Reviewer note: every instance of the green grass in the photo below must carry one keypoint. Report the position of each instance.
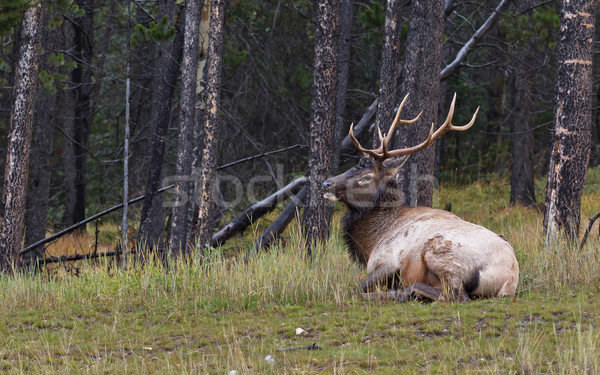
(222, 315)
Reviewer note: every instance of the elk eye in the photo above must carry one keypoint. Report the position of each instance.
(365, 179)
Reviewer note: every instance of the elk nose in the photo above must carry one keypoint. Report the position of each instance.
(328, 184)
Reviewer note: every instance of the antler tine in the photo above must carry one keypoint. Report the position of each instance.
(447, 125)
(360, 148)
(397, 120)
(413, 149)
(382, 153)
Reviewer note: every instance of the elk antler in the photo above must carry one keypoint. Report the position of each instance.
(381, 153)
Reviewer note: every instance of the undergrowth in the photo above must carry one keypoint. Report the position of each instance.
(218, 314)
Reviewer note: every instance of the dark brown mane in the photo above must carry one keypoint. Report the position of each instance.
(385, 198)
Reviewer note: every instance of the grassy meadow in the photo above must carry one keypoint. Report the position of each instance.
(221, 316)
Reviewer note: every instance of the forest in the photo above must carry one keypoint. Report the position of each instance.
(172, 155)
(498, 57)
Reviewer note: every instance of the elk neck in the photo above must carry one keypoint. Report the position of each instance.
(363, 225)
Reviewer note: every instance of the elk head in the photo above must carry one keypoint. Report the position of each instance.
(362, 185)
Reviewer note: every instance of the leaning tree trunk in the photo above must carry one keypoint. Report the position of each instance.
(317, 214)
(19, 142)
(183, 165)
(573, 115)
(210, 133)
(421, 78)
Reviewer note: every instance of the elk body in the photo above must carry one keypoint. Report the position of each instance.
(425, 252)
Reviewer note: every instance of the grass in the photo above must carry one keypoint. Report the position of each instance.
(220, 315)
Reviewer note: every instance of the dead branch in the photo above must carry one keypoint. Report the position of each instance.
(278, 226)
(256, 210)
(589, 229)
(359, 129)
(312, 346)
(84, 222)
(135, 200)
(72, 258)
(462, 54)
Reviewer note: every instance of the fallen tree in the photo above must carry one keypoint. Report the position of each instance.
(255, 211)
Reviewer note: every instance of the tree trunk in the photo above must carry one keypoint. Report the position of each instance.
(210, 131)
(183, 165)
(76, 164)
(522, 189)
(421, 78)
(317, 214)
(390, 65)
(36, 216)
(163, 87)
(19, 142)
(346, 11)
(573, 115)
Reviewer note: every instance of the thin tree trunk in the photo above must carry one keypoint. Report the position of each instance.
(206, 178)
(421, 78)
(163, 87)
(79, 132)
(573, 116)
(19, 143)
(183, 165)
(522, 189)
(317, 214)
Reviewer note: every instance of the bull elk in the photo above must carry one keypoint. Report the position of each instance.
(417, 252)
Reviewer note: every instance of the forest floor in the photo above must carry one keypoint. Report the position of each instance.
(221, 315)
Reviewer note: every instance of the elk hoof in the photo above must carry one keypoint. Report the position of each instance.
(419, 292)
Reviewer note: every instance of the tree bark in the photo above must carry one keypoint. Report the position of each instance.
(573, 115)
(421, 78)
(346, 11)
(210, 131)
(19, 143)
(183, 166)
(317, 215)
(390, 66)
(36, 216)
(152, 221)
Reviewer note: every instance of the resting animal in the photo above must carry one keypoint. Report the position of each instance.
(425, 252)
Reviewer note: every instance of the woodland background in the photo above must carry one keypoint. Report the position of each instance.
(89, 46)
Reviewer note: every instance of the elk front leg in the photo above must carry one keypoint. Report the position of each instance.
(377, 278)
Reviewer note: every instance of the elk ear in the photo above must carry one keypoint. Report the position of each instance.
(392, 166)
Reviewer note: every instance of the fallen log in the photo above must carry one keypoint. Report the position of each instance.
(75, 226)
(278, 226)
(72, 258)
(255, 211)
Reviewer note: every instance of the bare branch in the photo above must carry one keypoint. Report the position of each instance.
(589, 229)
(487, 25)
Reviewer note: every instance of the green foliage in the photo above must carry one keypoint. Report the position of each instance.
(538, 28)
(373, 18)
(161, 31)
(10, 14)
